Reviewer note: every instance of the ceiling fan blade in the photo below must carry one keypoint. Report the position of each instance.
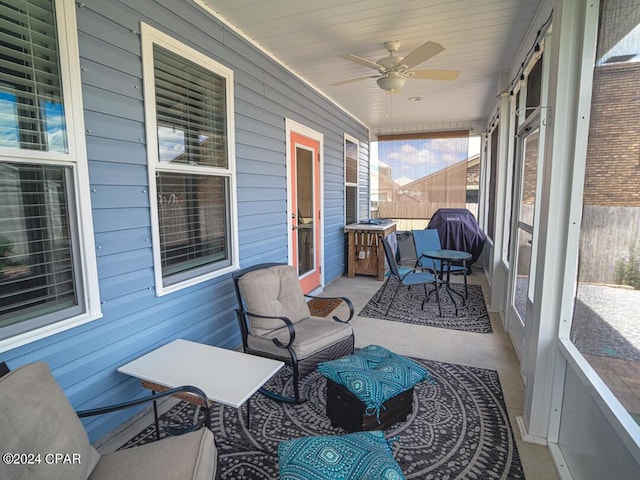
(343, 82)
(422, 53)
(361, 61)
(434, 74)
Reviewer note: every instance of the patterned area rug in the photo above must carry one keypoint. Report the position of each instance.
(407, 307)
(459, 427)
(322, 307)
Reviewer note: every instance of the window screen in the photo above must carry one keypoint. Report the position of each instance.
(417, 174)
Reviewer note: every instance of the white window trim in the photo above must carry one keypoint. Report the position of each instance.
(149, 37)
(350, 184)
(89, 294)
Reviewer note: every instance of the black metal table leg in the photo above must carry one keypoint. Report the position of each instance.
(155, 417)
(249, 413)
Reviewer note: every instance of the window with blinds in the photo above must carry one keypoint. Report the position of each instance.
(36, 261)
(351, 180)
(192, 168)
(40, 281)
(31, 102)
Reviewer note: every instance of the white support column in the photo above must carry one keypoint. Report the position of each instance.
(560, 101)
(499, 284)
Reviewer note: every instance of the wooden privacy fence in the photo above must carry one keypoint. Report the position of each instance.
(607, 235)
(413, 209)
(606, 238)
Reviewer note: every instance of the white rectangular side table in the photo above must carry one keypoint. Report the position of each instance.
(225, 376)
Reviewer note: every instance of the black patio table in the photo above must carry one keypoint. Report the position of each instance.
(447, 257)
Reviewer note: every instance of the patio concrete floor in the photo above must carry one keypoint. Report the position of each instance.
(492, 351)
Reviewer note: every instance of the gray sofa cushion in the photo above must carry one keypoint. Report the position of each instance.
(36, 417)
(312, 335)
(276, 292)
(187, 457)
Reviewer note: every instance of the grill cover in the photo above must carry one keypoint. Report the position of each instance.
(459, 230)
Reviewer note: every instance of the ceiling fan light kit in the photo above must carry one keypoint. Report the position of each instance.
(394, 70)
(392, 82)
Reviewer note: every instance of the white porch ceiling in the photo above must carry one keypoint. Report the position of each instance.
(481, 38)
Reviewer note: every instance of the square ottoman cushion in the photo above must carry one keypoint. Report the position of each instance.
(374, 375)
(355, 456)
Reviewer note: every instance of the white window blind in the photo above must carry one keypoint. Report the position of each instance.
(190, 109)
(32, 112)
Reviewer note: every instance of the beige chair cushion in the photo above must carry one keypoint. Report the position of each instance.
(273, 291)
(312, 336)
(191, 456)
(36, 417)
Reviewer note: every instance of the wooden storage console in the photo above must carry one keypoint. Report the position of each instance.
(366, 256)
(347, 411)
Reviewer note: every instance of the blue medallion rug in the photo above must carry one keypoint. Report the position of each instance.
(459, 427)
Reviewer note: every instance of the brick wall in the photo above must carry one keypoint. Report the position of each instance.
(613, 153)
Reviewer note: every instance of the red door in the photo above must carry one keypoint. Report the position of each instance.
(305, 209)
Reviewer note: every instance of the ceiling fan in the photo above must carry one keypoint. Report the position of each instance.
(394, 70)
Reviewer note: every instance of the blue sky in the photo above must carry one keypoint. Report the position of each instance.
(52, 113)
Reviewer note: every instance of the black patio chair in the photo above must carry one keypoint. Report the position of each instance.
(275, 322)
(411, 278)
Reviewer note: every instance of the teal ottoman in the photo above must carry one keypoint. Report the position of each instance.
(355, 456)
(370, 389)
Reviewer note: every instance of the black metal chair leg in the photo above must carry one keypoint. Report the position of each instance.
(280, 398)
(392, 299)
(296, 379)
(296, 389)
(466, 290)
(384, 289)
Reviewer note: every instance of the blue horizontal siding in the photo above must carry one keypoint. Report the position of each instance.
(115, 219)
(85, 359)
(117, 151)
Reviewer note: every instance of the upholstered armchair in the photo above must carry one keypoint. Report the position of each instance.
(37, 419)
(275, 322)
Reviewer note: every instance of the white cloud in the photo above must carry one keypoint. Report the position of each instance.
(410, 155)
(403, 180)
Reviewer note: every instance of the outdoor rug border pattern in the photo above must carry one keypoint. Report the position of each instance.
(407, 308)
(459, 427)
